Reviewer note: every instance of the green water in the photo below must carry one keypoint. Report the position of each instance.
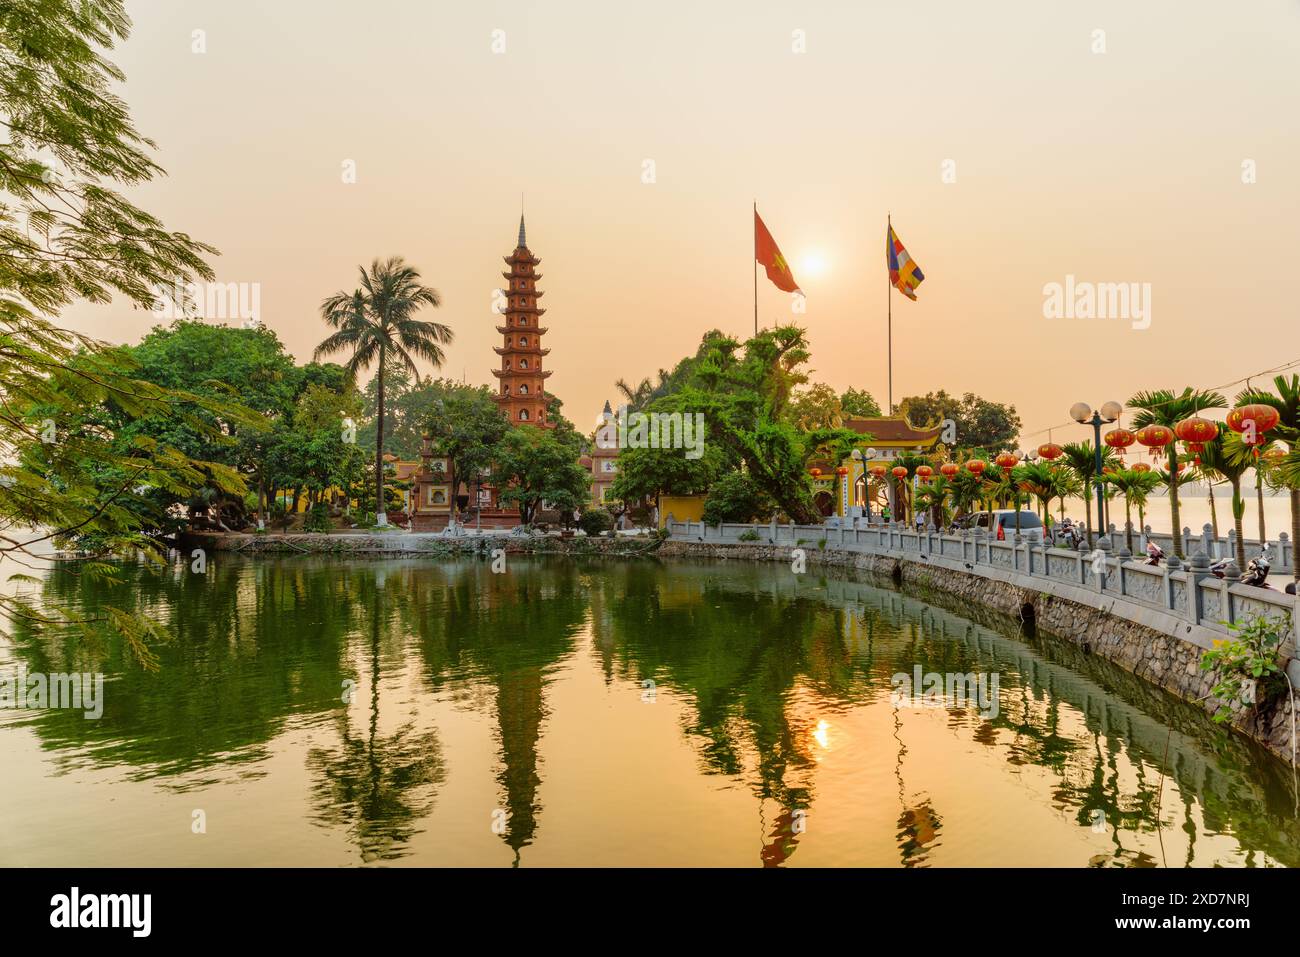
(313, 712)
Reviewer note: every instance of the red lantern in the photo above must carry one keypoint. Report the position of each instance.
(976, 466)
(948, 469)
(1007, 461)
(1050, 451)
(924, 471)
(815, 473)
(878, 471)
(1141, 467)
(1252, 421)
(1196, 432)
(842, 471)
(899, 472)
(1155, 438)
(1119, 439)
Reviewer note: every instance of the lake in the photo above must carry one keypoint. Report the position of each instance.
(310, 711)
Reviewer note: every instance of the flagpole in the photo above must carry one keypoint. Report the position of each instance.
(889, 313)
(755, 226)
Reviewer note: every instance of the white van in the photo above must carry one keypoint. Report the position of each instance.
(1001, 523)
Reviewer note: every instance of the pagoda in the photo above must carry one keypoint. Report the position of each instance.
(522, 396)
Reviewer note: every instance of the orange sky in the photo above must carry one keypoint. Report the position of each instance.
(1122, 166)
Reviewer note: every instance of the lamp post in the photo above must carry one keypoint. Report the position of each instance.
(862, 458)
(1084, 415)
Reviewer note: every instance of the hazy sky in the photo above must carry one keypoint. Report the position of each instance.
(1117, 166)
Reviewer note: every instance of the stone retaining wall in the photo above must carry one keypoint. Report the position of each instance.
(1152, 649)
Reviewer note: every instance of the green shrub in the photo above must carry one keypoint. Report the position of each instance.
(1248, 664)
(736, 498)
(595, 520)
(749, 535)
(318, 519)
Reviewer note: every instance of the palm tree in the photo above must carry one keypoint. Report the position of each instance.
(1044, 482)
(1134, 486)
(903, 486)
(376, 323)
(933, 497)
(1081, 459)
(1228, 459)
(1164, 407)
(1287, 403)
(965, 489)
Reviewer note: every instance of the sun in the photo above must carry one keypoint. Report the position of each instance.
(814, 264)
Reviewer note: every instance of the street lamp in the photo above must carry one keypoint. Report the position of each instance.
(1084, 415)
(863, 458)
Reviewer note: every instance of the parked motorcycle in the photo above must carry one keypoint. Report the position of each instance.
(1257, 573)
(1067, 534)
(1155, 554)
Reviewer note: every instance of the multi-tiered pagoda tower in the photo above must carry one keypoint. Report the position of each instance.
(522, 396)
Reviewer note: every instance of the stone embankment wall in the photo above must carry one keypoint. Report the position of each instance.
(1164, 650)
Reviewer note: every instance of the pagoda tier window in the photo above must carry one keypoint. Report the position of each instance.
(523, 363)
(523, 415)
(523, 390)
(523, 341)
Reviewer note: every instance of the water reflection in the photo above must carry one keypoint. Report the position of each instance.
(779, 685)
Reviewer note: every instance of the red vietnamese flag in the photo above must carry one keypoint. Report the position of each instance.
(768, 255)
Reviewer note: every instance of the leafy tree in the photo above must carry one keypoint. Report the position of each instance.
(1163, 407)
(1081, 459)
(534, 465)
(859, 402)
(1135, 487)
(816, 407)
(311, 448)
(979, 423)
(595, 521)
(745, 400)
(377, 324)
(1227, 460)
(735, 497)
(469, 428)
(1287, 402)
(66, 233)
(1045, 482)
(932, 497)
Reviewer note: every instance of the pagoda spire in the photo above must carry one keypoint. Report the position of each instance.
(522, 395)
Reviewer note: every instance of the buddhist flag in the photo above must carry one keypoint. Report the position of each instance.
(768, 255)
(903, 270)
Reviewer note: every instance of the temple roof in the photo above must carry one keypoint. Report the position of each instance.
(893, 431)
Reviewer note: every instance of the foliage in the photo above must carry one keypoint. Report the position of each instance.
(318, 519)
(535, 465)
(859, 402)
(1168, 408)
(979, 423)
(1248, 665)
(735, 497)
(745, 399)
(816, 407)
(468, 427)
(594, 521)
(1287, 472)
(376, 323)
(66, 233)
(748, 535)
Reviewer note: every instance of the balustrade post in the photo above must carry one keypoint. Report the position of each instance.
(1197, 572)
(1172, 564)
